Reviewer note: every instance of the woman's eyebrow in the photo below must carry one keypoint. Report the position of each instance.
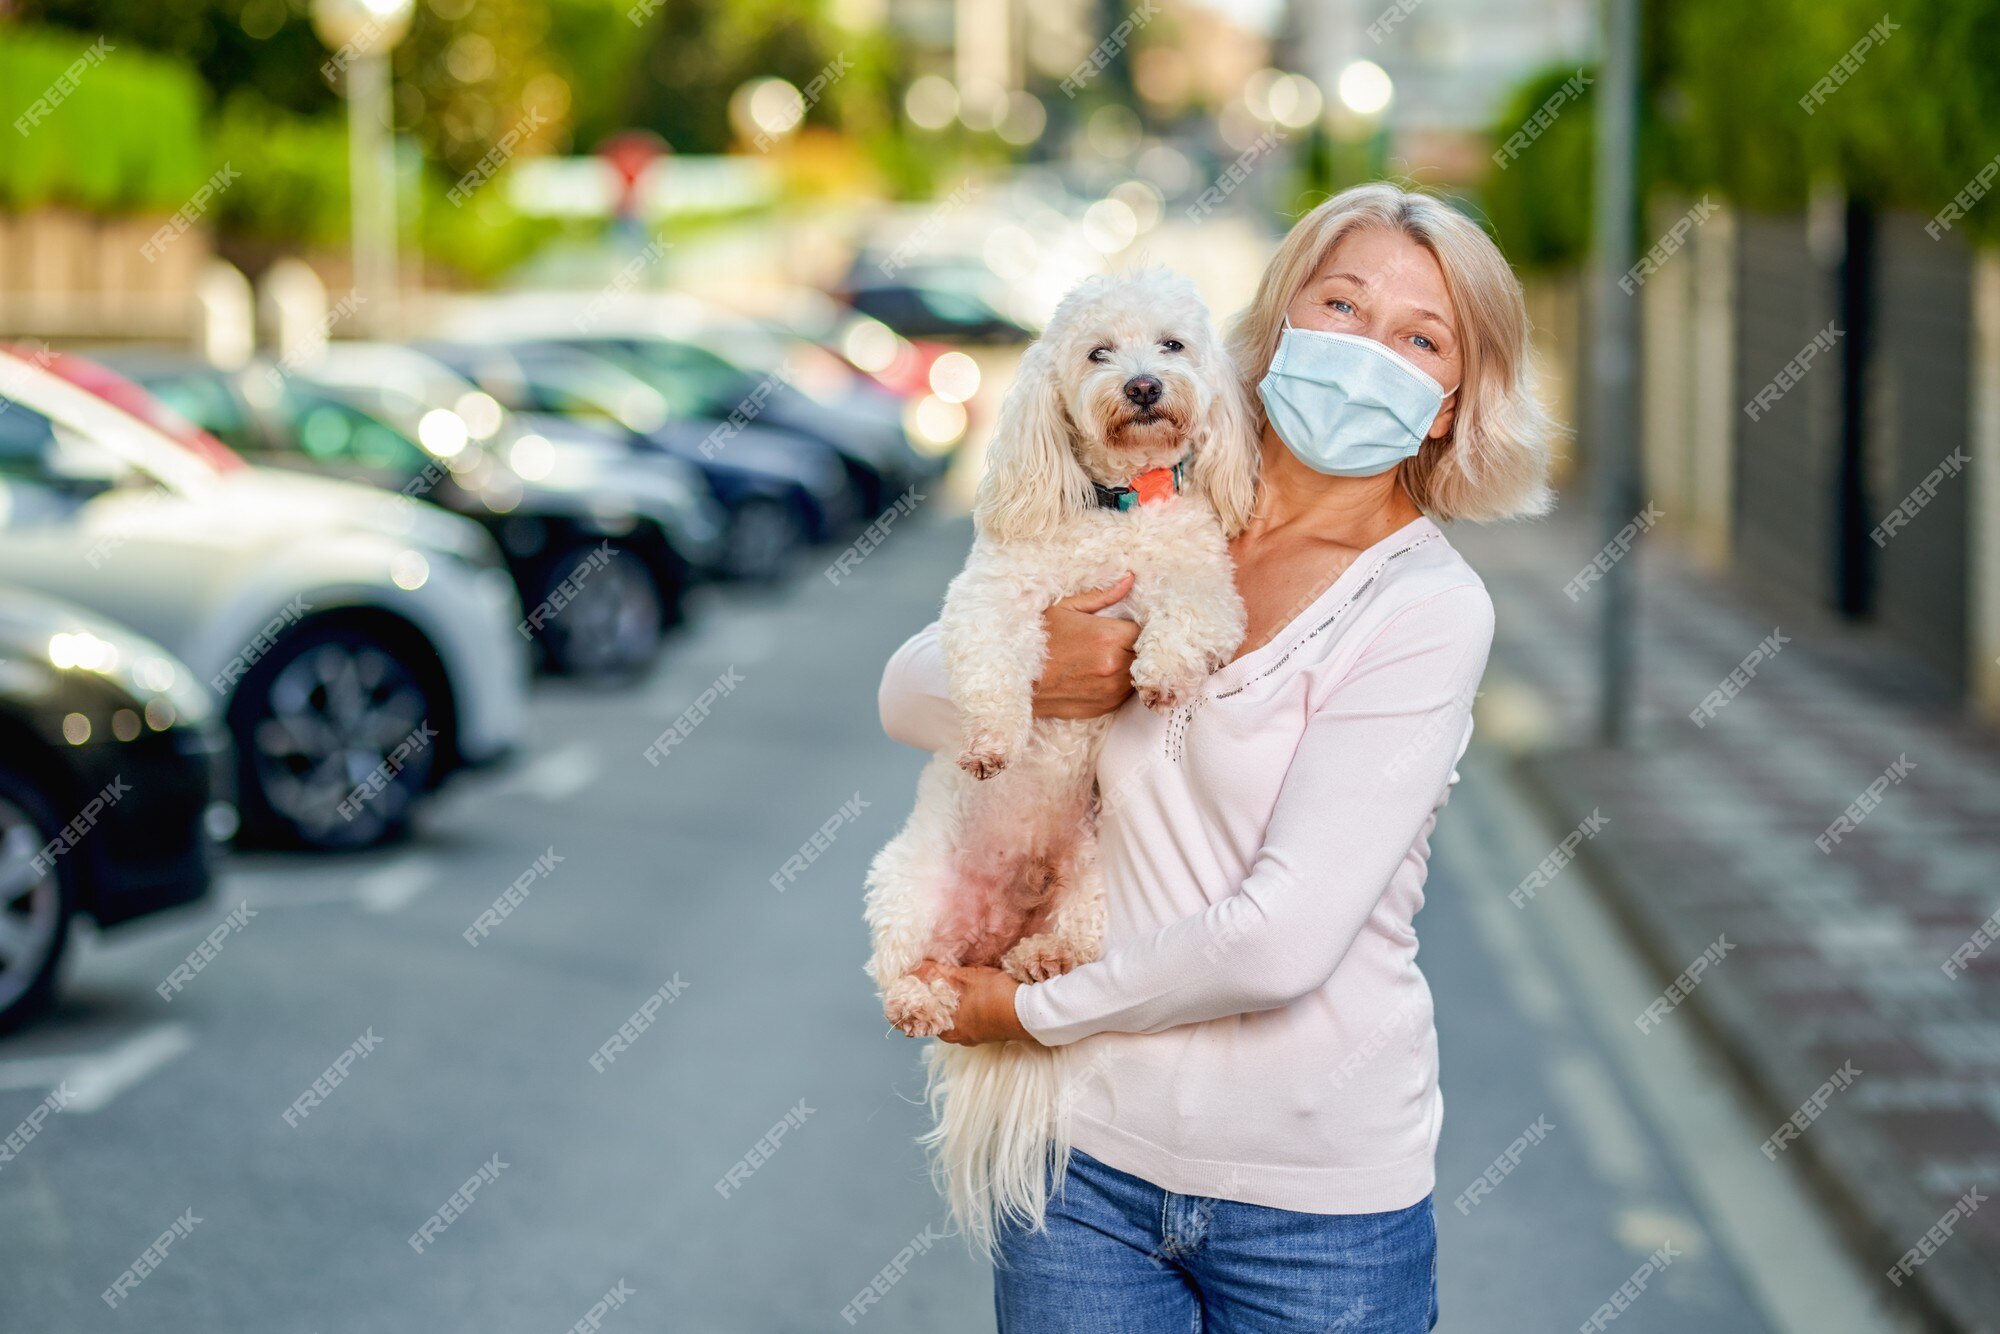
(1419, 312)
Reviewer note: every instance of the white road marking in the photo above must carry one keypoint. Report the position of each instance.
(95, 1081)
(280, 897)
(559, 774)
(1611, 1139)
(1506, 938)
(391, 888)
(748, 641)
(34, 1072)
(1643, 1229)
(1776, 1235)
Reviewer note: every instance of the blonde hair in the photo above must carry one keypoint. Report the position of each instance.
(1494, 462)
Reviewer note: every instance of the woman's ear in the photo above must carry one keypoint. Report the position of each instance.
(1032, 477)
(1226, 459)
(1447, 415)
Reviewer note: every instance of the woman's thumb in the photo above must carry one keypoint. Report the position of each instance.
(1097, 599)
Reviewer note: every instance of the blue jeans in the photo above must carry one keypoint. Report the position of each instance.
(1122, 1256)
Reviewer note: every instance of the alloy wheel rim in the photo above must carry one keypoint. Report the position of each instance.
(759, 538)
(614, 621)
(30, 904)
(332, 716)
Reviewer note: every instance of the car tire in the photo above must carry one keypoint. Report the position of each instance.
(612, 624)
(35, 907)
(318, 722)
(764, 534)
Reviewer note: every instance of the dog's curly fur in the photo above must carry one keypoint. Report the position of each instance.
(997, 864)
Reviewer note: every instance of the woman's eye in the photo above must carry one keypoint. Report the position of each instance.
(1341, 306)
(1173, 345)
(1424, 343)
(1099, 353)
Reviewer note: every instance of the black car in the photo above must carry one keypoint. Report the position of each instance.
(873, 445)
(936, 303)
(613, 552)
(781, 490)
(111, 760)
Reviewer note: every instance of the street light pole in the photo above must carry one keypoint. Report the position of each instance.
(1614, 389)
(361, 34)
(371, 172)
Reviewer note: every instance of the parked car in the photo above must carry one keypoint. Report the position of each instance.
(871, 441)
(929, 302)
(617, 551)
(715, 363)
(113, 767)
(360, 648)
(781, 490)
(903, 368)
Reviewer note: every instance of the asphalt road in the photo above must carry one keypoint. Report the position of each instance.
(596, 1181)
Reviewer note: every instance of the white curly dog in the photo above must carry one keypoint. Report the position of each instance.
(1124, 445)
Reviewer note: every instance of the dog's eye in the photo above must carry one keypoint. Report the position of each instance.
(1099, 353)
(1173, 345)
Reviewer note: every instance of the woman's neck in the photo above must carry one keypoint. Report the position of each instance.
(1353, 511)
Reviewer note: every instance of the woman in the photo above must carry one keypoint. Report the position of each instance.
(1254, 1072)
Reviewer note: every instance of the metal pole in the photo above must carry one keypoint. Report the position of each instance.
(371, 171)
(1614, 337)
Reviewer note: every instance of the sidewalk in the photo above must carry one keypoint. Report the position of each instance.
(1828, 945)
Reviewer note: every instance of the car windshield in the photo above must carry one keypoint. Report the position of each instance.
(799, 362)
(47, 470)
(87, 442)
(954, 307)
(403, 390)
(691, 388)
(328, 429)
(581, 385)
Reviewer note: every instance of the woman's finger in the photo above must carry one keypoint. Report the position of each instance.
(1097, 599)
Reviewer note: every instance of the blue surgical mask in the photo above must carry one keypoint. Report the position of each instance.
(1347, 406)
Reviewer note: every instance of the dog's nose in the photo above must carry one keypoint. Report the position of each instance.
(1143, 390)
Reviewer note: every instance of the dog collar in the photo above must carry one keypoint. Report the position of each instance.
(1144, 489)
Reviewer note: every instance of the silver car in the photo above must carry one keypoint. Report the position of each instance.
(361, 647)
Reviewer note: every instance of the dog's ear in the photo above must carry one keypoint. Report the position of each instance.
(1226, 458)
(1032, 477)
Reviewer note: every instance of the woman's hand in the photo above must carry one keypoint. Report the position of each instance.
(985, 1004)
(1088, 671)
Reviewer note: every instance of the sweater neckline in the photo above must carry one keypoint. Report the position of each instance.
(1360, 572)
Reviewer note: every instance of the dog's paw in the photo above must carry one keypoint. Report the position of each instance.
(1040, 957)
(1165, 693)
(982, 762)
(987, 751)
(921, 1009)
(1164, 684)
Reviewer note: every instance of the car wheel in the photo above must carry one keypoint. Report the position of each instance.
(763, 534)
(336, 740)
(35, 903)
(614, 621)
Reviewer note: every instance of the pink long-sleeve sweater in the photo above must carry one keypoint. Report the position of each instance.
(1257, 1029)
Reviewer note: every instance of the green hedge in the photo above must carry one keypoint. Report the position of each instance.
(1909, 127)
(131, 137)
(292, 173)
(1538, 204)
(125, 136)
